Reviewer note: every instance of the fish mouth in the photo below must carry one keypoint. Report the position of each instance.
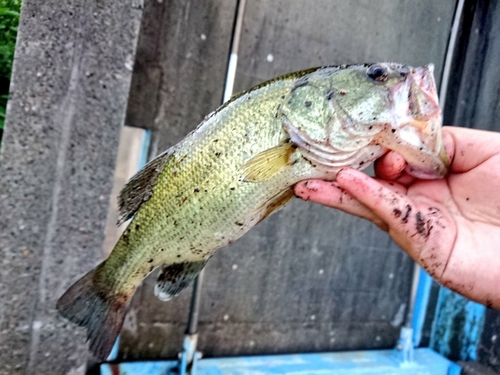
(436, 169)
(421, 125)
(432, 162)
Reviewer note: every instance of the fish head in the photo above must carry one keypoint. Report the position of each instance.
(349, 116)
(399, 106)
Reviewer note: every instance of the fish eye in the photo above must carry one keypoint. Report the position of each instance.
(377, 72)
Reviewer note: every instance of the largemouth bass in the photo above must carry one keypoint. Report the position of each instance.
(239, 166)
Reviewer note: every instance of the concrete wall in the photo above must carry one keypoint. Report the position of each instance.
(69, 91)
(308, 278)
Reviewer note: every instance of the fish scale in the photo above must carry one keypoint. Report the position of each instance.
(181, 221)
(239, 166)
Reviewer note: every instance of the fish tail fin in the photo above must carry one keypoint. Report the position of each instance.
(87, 305)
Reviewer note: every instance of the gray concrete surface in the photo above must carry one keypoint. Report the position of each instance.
(308, 278)
(473, 368)
(69, 92)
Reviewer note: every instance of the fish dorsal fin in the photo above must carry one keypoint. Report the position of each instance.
(140, 187)
(174, 278)
(266, 164)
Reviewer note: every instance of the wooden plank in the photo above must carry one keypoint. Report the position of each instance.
(69, 91)
(309, 278)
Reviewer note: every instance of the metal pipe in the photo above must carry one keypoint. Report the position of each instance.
(194, 311)
(235, 45)
(413, 294)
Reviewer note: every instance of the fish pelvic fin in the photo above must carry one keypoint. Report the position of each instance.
(141, 187)
(87, 306)
(268, 163)
(276, 203)
(174, 278)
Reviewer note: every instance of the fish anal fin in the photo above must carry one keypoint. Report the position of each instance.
(174, 278)
(140, 187)
(276, 203)
(101, 313)
(268, 163)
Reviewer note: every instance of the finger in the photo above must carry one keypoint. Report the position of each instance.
(405, 179)
(415, 226)
(390, 166)
(385, 203)
(330, 194)
(402, 178)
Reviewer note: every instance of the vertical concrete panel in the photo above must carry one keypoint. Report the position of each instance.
(280, 37)
(308, 278)
(69, 91)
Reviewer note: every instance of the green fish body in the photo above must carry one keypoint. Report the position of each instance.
(240, 165)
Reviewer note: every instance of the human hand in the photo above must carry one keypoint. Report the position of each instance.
(450, 226)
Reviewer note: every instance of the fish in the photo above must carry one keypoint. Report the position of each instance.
(240, 165)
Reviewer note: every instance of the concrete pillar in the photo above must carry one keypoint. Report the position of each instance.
(69, 93)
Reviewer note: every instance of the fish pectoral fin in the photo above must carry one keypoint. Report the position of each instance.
(268, 163)
(174, 278)
(276, 203)
(140, 187)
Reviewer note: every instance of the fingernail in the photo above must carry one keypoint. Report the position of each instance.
(302, 188)
(311, 185)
